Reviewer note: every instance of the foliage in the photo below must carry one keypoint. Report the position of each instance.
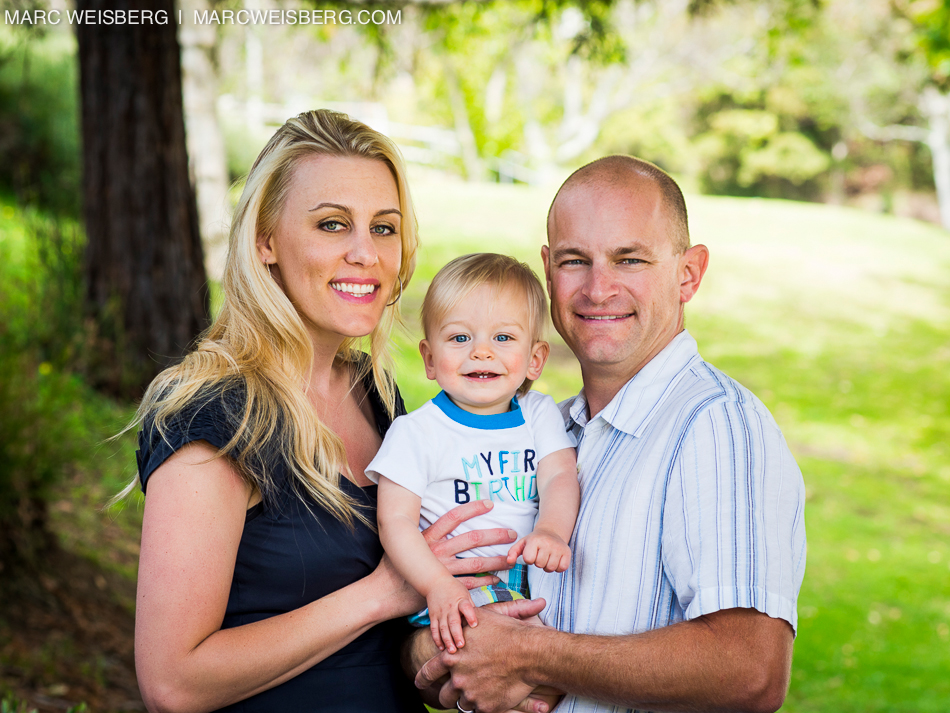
(10, 704)
(50, 421)
(39, 120)
(745, 152)
(932, 21)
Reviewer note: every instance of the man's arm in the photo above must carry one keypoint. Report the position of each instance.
(730, 660)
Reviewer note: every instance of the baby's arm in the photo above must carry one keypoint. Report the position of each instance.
(398, 517)
(559, 497)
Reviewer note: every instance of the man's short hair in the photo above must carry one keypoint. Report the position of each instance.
(615, 170)
(461, 276)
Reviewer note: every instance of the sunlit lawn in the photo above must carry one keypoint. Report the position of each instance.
(840, 322)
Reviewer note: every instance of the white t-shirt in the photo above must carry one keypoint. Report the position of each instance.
(448, 456)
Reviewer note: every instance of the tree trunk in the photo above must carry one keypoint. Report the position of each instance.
(206, 151)
(144, 267)
(936, 107)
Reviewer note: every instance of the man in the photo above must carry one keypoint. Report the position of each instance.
(689, 549)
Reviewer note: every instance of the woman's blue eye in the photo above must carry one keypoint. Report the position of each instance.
(383, 230)
(332, 225)
(459, 338)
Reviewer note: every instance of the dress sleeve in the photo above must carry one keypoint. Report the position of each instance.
(206, 421)
(734, 531)
(546, 423)
(403, 457)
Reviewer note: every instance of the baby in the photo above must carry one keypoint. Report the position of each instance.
(485, 436)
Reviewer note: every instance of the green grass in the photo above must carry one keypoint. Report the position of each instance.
(840, 321)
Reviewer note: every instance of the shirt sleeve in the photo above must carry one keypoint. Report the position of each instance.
(546, 423)
(206, 421)
(734, 531)
(403, 456)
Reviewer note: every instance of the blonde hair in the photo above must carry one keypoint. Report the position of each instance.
(460, 277)
(259, 337)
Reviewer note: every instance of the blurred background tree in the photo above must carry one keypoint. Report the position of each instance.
(144, 265)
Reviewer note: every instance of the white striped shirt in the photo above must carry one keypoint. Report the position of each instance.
(690, 503)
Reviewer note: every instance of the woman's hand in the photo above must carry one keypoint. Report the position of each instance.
(446, 548)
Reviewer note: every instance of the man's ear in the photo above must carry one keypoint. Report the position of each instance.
(545, 259)
(693, 264)
(539, 357)
(428, 359)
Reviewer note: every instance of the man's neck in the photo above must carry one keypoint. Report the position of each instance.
(600, 387)
(604, 381)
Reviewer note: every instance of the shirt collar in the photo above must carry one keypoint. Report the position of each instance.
(512, 418)
(639, 399)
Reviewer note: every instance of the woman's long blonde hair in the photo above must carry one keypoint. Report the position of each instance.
(259, 337)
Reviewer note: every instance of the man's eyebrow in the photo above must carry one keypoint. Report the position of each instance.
(561, 253)
(634, 249)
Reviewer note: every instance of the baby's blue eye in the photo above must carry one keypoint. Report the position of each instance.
(503, 338)
(459, 338)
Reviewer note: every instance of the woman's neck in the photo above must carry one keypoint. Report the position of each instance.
(329, 379)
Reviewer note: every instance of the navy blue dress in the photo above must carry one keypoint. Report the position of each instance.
(290, 556)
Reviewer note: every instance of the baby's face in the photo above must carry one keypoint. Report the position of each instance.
(483, 350)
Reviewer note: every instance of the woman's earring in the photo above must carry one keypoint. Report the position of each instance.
(399, 295)
(269, 271)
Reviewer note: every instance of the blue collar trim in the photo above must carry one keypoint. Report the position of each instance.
(491, 422)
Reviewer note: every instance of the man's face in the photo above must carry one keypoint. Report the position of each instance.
(616, 286)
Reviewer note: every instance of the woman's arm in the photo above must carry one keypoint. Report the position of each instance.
(194, 518)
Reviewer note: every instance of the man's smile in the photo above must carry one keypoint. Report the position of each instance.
(604, 317)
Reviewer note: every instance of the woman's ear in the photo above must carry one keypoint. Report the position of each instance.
(265, 249)
(539, 357)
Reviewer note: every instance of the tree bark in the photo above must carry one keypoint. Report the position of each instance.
(144, 266)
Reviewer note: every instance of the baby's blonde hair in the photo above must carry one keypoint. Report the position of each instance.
(460, 277)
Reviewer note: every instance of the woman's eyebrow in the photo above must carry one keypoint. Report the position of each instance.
(330, 205)
(343, 208)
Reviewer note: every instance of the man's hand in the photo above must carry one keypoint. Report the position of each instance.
(730, 660)
(542, 548)
(486, 673)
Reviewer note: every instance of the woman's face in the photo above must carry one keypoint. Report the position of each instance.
(337, 246)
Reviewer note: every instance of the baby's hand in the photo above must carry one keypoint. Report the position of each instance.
(448, 602)
(542, 548)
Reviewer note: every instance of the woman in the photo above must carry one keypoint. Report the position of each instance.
(262, 583)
